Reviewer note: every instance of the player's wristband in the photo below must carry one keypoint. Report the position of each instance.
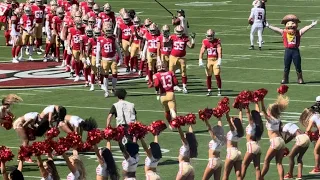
(192, 41)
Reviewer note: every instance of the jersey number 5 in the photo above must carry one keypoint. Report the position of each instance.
(260, 15)
(178, 45)
(166, 81)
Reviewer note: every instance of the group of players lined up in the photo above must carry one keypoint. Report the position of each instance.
(96, 42)
(278, 134)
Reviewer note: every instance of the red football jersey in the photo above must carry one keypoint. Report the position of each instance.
(27, 21)
(47, 10)
(93, 43)
(84, 40)
(60, 2)
(38, 12)
(75, 37)
(86, 9)
(179, 45)
(211, 47)
(92, 14)
(57, 22)
(165, 81)
(4, 11)
(107, 17)
(165, 50)
(152, 41)
(15, 20)
(133, 34)
(83, 4)
(107, 46)
(49, 18)
(67, 6)
(125, 31)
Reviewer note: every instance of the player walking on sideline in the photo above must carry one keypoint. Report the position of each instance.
(291, 40)
(214, 54)
(257, 19)
(177, 56)
(181, 20)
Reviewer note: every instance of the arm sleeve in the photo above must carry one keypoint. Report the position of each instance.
(113, 110)
(98, 53)
(48, 28)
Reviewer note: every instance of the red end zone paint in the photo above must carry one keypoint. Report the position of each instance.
(41, 74)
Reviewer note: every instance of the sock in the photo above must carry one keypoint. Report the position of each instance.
(132, 63)
(106, 82)
(77, 68)
(13, 51)
(101, 78)
(168, 116)
(209, 82)
(68, 59)
(53, 49)
(73, 64)
(38, 42)
(114, 80)
(64, 56)
(135, 62)
(30, 50)
(48, 47)
(184, 80)
(218, 78)
(117, 58)
(57, 52)
(150, 74)
(126, 60)
(17, 51)
(7, 36)
(86, 72)
(21, 50)
(141, 67)
(93, 78)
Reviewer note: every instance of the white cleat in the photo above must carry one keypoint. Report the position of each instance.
(30, 58)
(57, 59)
(103, 87)
(262, 42)
(106, 94)
(41, 49)
(177, 88)
(14, 60)
(119, 64)
(209, 93)
(76, 79)
(20, 58)
(185, 91)
(27, 51)
(92, 87)
(219, 92)
(45, 59)
(147, 78)
(39, 52)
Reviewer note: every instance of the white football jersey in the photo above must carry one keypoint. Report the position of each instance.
(184, 24)
(257, 15)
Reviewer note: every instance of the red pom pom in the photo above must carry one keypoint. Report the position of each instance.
(85, 147)
(94, 136)
(243, 99)
(52, 133)
(286, 152)
(190, 119)
(30, 133)
(259, 94)
(5, 154)
(314, 136)
(205, 114)
(175, 123)
(217, 112)
(224, 101)
(8, 120)
(40, 148)
(283, 89)
(74, 139)
(62, 145)
(157, 127)
(137, 129)
(118, 133)
(25, 152)
(109, 133)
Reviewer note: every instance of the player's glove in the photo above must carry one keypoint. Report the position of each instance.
(314, 22)
(267, 24)
(88, 62)
(200, 62)
(219, 62)
(192, 35)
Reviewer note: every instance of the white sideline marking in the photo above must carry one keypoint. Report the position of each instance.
(27, 94)
(41, 91)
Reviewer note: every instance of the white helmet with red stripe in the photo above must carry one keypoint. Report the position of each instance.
(108, 30)
(179, 30)
(89, 31)
(107, 8)
(166, 30)
(122, 12)
(96, 32)
(136, 21)
(153, 29)
(27, 10)
(90, 3)
(53, 3)
(210, 34)
(92, 21)
(147, 22)
(96, 9)
(126, 18)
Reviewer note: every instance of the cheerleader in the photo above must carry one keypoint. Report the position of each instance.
(154, 154)
(276, 149)
(76, 167)
(107, 166)
(131, 159)
(215, 145)
(54, 113)
(13, 175)
(291, 131)
(233, 158)
(254, 132)
(309, 119)
(188, 150)
(5, 107)
(48, 169)
(76, 124)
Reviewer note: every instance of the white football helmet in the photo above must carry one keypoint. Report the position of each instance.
(147, 22)
(96, 9)
(136, 21)
(179, 30)
(107, 8)
(126, 18)
(96, 32)
(27, 10)
(210, 34)
(89, 31)
(153, 29)
(108, 30)
(166, 30)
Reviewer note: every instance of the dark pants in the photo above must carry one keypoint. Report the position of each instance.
(292, 55)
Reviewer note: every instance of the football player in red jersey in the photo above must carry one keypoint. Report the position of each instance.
(5, 9)
(85, 20)
(177, 56)
(135, 43)
(92, 22)
(152, 41)
(50, 41)
(164, 82)
(124, 32)
(144, 30)
(107, 47)
(108, 15)
(165, 45)
(57, 27)
(74, 34)
(84, 39)
(38, 11)
(91, 55)
(119, 20)
(15, 34)
(214, 54)
(28, 23)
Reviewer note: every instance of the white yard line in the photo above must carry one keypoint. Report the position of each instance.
(44, 91)
(27, 94)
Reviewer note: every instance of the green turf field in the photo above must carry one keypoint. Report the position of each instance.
(241, 69)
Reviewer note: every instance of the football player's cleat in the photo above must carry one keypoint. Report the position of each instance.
(251, 48)
(92, 87)
(219, 92)
(209, 93)
(106, 94)
(14, 60)
(76, 79)
(177, 88)
(30, 58)
(185, 90)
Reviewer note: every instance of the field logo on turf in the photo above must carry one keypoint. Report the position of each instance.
(203, 4)
(40, 74)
